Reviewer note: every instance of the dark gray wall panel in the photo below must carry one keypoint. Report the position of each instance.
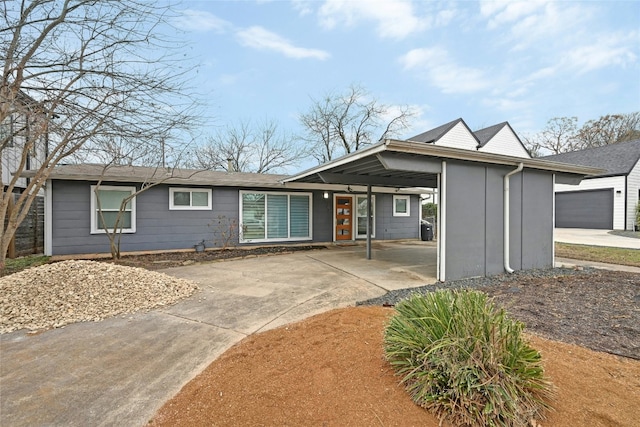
(465, 222)
(494, 241)
(585, 209)
(515, 221)
(475, 220)
(537, 218)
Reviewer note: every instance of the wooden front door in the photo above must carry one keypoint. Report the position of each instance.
(344, 218)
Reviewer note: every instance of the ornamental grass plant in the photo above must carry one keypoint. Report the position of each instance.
(463, 359)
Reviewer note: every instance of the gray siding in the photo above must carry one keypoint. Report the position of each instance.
(389, 227)
(158, 228)
(474, 220)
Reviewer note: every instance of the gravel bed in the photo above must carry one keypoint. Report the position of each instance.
(54, 295)
(393, 297)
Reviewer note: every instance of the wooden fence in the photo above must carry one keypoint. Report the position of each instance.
(29, 238)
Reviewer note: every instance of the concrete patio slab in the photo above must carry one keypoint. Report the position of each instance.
(121, 370)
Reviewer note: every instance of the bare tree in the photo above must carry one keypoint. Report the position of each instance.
(245, 148)
(558, 136)
(339, 124)
(97, 77)
(561, 134)
(610, 129)
(114, 226)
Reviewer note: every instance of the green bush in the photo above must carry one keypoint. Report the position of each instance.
(466, 361)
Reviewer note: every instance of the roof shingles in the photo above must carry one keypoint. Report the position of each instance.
(616, 159)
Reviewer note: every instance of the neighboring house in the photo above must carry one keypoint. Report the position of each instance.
(604, 201)
(25, 120)
(501, 139)
(24, 123)
(477, 236)
(496, 139)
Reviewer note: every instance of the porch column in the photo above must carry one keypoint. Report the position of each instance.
(368, 221)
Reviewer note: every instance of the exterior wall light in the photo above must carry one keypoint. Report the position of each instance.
(325, 195)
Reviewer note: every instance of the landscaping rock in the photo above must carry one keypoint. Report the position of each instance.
(54, 295)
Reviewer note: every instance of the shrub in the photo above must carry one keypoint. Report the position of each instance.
(466, 361)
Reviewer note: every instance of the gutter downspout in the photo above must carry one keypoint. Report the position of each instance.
(507, 267)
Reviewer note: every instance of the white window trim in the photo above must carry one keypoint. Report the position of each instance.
(278, 239)
(172, 207)
(399, 197)
(94, 208)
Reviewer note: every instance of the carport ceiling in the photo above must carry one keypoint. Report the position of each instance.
(392, 163)
(382, 169)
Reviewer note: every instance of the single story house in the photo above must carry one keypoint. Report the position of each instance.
(495, 211)
(183, 207)
(607, 200)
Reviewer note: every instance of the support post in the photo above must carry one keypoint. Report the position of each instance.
(369, 221)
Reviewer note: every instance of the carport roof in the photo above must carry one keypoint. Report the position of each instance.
(394, 163)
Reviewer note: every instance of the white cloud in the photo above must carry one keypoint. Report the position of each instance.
(394, 18)
(259, 38)
(442, 71)
(198, 20)
(608, 50)
(506, 12)
(302, 6)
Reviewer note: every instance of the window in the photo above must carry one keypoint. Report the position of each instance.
(401, 205)
(275, 216)
(110, 198)
(189, 199)
(361, 216)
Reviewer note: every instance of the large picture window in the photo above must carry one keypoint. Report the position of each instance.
(275, 216)
(105, 205)
(196, 199)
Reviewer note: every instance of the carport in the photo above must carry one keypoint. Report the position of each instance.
(496, 212)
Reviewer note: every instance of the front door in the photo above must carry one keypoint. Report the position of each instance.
(344, 218)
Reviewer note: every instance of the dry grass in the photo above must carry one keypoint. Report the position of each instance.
(599, 254)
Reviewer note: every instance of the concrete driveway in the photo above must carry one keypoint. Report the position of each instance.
(581, 236)
(121, 370)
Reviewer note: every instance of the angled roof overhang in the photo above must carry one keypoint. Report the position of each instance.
(401, 164)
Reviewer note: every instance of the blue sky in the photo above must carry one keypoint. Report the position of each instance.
(485, 61)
